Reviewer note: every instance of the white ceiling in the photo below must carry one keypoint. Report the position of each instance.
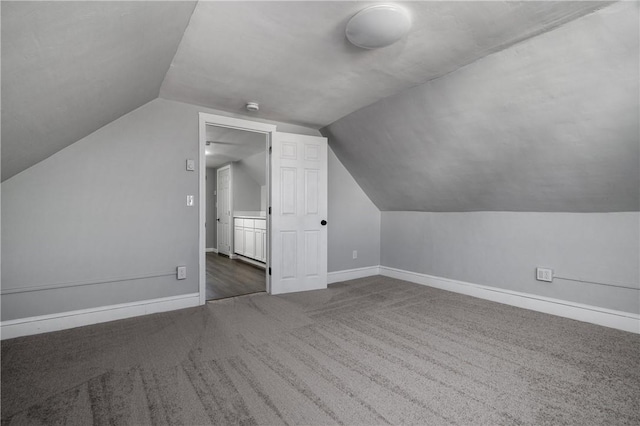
(226, 145)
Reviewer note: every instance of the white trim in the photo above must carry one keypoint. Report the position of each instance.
(241, 258)
(72, 319)
(202, 212)
(352, 274)
(237, 123)
(211, 250)
(620, 320)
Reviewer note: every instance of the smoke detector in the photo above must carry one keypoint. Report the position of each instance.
(252, 106)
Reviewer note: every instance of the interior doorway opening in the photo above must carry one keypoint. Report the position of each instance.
(236, 208)
(234, 195)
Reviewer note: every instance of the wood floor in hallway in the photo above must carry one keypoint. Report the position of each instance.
(229, 277)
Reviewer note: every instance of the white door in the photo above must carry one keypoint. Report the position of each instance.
(299, 213)
(224, 210)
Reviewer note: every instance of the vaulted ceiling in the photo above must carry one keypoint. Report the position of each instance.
(68, 68)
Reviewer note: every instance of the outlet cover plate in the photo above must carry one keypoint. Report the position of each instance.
(544, 274)
(181, 273)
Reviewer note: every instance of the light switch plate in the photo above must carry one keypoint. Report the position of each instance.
(190, 200)
(191, 165)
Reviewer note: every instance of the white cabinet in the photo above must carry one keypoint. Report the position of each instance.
(251, 238)
(250, 243)
(238, 236)
(261, 244)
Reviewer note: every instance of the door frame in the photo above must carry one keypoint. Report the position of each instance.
(234, 123)
(229, 204)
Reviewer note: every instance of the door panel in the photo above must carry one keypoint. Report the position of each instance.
(238, 238)
(249, 242)
(299, 202)
(224, 212)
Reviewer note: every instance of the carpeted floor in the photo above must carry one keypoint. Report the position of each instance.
(369, 351)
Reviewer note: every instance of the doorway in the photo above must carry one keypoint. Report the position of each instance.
(234, 198)
(289, 239)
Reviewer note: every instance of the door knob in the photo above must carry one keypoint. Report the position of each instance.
(218, 219)
(323, 222)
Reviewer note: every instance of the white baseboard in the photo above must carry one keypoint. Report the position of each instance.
(211, 250)
(72, 319)
(606, 317)
(251, 261)
(352, 274)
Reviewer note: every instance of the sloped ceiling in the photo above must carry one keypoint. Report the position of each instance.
(69, 68)
(293, 57)
(457, 116)
(550, 124)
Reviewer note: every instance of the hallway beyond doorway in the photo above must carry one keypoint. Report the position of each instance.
(228, 278)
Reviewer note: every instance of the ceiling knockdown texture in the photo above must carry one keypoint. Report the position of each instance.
(294, 59)
(549, 124)
(69, 68)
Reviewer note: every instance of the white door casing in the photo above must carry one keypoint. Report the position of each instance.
(299, 206)
(224, 210)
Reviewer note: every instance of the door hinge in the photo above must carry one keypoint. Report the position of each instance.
(269, 270)
(270, 150)
(269, 209)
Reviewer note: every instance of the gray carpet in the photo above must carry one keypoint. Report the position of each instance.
(369, 351)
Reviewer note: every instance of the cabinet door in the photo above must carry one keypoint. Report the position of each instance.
(250, 242)
(238, 240)
(264, 245)
(259, 245)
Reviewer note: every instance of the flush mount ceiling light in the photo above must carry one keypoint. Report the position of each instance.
(378, 26)
(252, 106)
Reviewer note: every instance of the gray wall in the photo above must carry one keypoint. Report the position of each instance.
(502, 249)
(246, 191)
(210, 193)
(256, 167)
(353, 222)
(112, 205)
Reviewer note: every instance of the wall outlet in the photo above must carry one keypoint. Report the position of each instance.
(190, 199)
(543, 274)
(181, 273)
(191, 165)
(355, 254)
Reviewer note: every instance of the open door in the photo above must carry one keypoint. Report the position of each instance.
(298, 213)
(224, 210)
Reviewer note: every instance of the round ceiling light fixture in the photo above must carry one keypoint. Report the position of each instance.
(252, 106)
(378, 26)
